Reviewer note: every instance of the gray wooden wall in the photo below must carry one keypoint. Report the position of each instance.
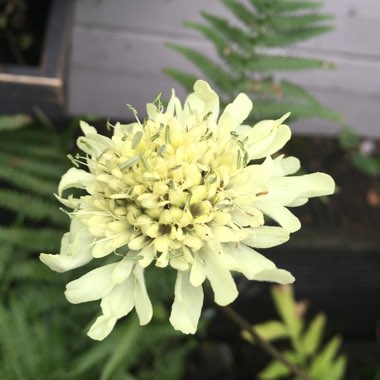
(118, 52)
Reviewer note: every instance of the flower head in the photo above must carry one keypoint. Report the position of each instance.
(177, 190)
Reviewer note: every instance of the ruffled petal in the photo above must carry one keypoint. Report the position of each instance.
(142, 302)
(253, 265)
(197, 272)
(266, 237)
(102, 327)
(77, 178)
(220, 278)
(280, 214)
(92, 286)
(203, 100)
(187, 306)
(239, 109)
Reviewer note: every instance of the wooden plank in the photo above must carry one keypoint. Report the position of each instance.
(106, 92)
(356, 32)
(121, 51)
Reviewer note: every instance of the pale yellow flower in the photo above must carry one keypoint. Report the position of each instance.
(177, 190)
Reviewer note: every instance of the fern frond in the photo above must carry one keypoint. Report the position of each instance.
(40, 168)
(292, 90)
(184, 79)
(293, 6)
(241, 12)
(26, 181)
(40, 151)
(32, 207)
(210, 34)
(33, 239)
(297, 22)
(206, 66)
(262, 63)
(284, 39)
(271, 109)
(234, 35)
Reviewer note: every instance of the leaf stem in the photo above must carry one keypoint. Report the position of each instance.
(268, 347)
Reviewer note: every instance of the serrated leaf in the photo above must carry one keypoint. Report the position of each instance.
(263, 63)
(244, 14)
(297, 22)
(271, 330)
(212, 70)
(292, 6)
(286, 307)
(348, 138)
(312, 337)
(12, 122)
(367, 164)
(321, 363)
(277, 370)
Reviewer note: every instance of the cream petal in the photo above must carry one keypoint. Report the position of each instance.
(77, 178)
(240, 108)
(122, 271)
(142, 302)
(253, 265)
(148, 254)
(286, 190)
(62, 263)
(280, 214)
(225, 234)
(266, 237)
(102, 327)
(220, 278)
(203, 100)
(86, 128)
(92, 286)
(102, 248)
(197, 272)
(187, 306)
(286, 166)
(280, 276)
(120, 300)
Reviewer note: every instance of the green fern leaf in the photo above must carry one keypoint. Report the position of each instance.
(31, 207)
(293, 6)
(284, 39)
(210, 34)
(39, 151)
(33, 239)
(26, 181)
(184, 79)
(212, 70)
(234, 35)
(244, 14)
(40, 168)
(297, 22)
(262, 63)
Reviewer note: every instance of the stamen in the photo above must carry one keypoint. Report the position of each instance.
(136, 139)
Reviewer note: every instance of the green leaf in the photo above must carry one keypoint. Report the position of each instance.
(367, 164)
(241, 12)
(297, 22)
(31, 206)
(323, 360)
(311, 339)
(33, 239)
(276, 370)
(262, 63)
(271, 330)
(212, 70)
(12, 122)
(232, 34)
(122, 349)
(338, 369)
(273, 39)
(348, 138)
(292, 6)
(286, 307)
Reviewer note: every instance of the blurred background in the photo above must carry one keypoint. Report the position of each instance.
(62, 61)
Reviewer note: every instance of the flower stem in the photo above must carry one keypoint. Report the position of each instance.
(268, 347)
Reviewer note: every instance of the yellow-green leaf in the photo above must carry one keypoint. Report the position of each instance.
(312, 337)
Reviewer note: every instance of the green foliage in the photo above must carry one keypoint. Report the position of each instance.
(41, 334)
(366, 162)
(306, 349)
(245, 66)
